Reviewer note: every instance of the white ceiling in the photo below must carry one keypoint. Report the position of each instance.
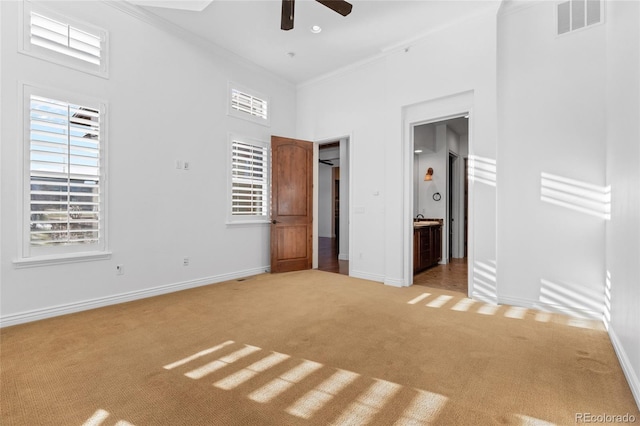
(251, 29)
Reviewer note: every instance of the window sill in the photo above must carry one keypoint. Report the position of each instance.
(33, 262)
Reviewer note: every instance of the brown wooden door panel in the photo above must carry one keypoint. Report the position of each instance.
(291, 204)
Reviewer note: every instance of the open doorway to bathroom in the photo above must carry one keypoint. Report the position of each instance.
(440, 204)
(333, 218)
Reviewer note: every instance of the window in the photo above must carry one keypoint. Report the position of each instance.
(48, 35)
(249, 196)
(246, 104)
(64, 175)
(576, 14)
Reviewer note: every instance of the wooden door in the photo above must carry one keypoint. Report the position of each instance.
(291, 204)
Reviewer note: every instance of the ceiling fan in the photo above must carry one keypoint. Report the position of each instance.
(288, 7)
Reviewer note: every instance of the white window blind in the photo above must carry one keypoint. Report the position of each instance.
(63, 38)
(249, 104)
(577, 14)
(64, 173)
(249, 179)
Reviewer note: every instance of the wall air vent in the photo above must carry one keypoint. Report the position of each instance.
(576, 14)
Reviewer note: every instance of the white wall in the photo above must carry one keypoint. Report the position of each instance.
(160, 87)
(623, 174)
(325, 212)
(372, 96)
(551, 100)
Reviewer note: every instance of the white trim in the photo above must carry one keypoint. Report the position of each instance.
(53, 311)
(550, 307)
(432, 111)
(52, 255)
(627, 367)
(348, 136)
(246, 219)
(33, 262)
(395, 282)
(366, 276)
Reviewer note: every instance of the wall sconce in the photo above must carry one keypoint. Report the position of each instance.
(429, 174)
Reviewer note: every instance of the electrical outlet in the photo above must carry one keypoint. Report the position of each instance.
(185, 261)
(187, 165)
(179, 164)
(119, 269)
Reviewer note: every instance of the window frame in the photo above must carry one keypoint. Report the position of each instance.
(235, 219)
(67, 253)
(244, 115)
(586, 25)
(27, 48)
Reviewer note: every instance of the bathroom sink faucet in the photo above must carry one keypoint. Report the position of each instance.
(419, 216)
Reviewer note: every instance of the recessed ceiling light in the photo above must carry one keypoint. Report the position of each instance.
(316, 29)
(418, 151)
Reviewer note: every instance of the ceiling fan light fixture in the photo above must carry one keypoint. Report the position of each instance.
(316, 29)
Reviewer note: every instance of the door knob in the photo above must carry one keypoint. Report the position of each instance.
(274, 221)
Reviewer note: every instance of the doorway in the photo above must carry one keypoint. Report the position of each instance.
(333, 213)
(439, 150)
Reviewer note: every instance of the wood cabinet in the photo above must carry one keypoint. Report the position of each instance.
(427, 246)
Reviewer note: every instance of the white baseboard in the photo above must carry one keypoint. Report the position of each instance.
(69, 308)
(367, 276)
(395, 282)
(632, 376)
(548, 307)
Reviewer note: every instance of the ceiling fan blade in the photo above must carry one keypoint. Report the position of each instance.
(288, 8)
(340, 6)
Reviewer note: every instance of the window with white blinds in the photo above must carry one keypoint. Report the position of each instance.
(249, 105)
(65, 176)
(249, 180)
(61, 39)
(65, 39)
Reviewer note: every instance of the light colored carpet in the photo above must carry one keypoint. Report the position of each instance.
(308, 348)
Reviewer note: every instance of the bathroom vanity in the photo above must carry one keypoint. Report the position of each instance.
(427, 243)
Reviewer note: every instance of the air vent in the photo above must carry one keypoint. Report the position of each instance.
(576, 14)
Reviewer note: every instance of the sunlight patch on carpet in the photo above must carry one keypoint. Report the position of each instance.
(318, 397)
(487, 309)
(209, 368)
(516, 312)
(284, 382)
(368, 403)
(419, 298)
(198, 355)
(463, 305)
(238, 378)
(423, 410)
(100, 416)
(532, 421)
(439, 301)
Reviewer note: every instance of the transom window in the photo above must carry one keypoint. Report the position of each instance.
(61, 39)
(248, 104)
